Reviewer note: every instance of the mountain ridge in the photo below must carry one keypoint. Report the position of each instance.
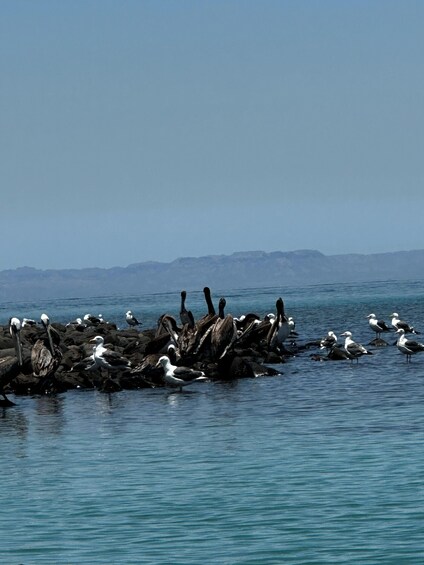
(241, 269)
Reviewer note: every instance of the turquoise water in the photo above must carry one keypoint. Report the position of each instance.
(323, 464)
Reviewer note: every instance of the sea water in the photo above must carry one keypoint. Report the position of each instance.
(321, 464)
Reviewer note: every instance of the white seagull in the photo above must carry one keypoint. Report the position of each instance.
(378, 326)
(77, 323)
(131, 319)
(353, 349)
(292, 326)
(178, 377)
(110, 360)
(93, 320)
(408, 346)
(401, 324)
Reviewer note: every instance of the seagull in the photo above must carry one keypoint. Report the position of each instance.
(110, 360)
(292, 326)
(178, 377)
(354, 350)
(328, 341)
(77, 323)
(378, 326)
(131, 319)
(93, 320)
(398, 324)
(408, 346)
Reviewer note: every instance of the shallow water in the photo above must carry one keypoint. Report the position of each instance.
(323, 464)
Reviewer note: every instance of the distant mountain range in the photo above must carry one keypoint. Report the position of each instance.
(239, 270)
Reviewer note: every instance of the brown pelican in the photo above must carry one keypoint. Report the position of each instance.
(209, 303)
(280, 328)
(46, 355)
(177, 377)
(202, 325)
(186, 316)
(407, 346)
(15, 332)
(223, 332)
(167, 324)
(10, 366)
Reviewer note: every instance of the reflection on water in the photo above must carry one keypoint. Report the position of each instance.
(13, 422)
(48, 414)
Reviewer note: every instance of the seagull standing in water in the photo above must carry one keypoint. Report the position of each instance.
(401, 324)
(177, 377)
(407, 346)
(353, 349)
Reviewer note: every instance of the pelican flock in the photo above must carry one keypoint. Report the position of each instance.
(45, 357)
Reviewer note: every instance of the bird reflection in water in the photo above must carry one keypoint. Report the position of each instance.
(49, 415)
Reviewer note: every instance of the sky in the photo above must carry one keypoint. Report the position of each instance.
(137, 130)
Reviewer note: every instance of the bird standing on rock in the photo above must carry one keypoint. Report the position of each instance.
(378, 326)
(110, 360)
(353, 349)
(280, 328)
(131, 319)
(46, 353)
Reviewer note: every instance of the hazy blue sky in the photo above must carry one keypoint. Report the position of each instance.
(136, 130)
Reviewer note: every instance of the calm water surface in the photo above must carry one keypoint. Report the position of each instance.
(322, 464)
